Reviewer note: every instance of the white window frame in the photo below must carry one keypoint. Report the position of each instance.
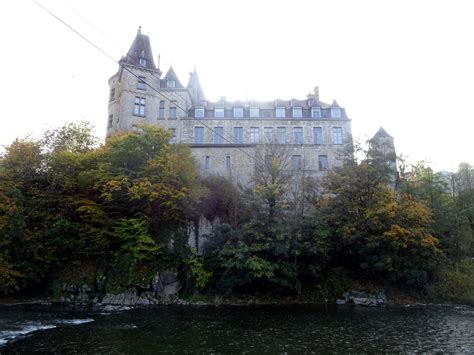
(297, 112)
(279, 111)
(238, 137)
(298, 135)
(139, 106)
(171, 84)
(318, 138)
(254, 112)
(254, 135)
(337, 136)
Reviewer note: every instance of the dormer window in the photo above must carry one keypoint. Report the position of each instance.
(315, 112)
(171, 83)
(254, 112)
(219, 112)
(297, 112)
(199, 112)
(142, 62)
(280, 112)
(336, 112)
(238, 112)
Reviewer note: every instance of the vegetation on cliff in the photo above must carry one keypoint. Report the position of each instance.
(112, 215)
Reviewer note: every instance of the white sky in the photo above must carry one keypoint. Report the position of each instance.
(405, 65)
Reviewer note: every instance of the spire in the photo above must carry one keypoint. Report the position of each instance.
(195, 86)
(140, 53)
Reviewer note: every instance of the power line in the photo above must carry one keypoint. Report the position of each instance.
(141, 79)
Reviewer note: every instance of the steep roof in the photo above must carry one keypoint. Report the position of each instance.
(195, 85)
(381, 133)
(171, 75)
(140, 48)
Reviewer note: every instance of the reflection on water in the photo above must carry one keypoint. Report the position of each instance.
(263, 329)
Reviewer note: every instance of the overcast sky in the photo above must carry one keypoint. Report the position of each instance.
(405, 65)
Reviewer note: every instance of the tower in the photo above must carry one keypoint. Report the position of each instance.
(139, 94)
(382, 152)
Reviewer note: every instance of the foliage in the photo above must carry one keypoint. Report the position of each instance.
(455, 283)
(64, 200)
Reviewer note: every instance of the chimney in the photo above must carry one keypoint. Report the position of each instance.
(316, 93)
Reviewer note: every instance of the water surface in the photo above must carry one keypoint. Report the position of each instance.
(256, 329)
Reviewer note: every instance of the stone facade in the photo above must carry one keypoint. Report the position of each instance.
(225, 137)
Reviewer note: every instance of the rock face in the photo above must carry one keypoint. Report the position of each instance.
(166, 285)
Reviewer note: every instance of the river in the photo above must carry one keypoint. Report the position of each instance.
(239, 329)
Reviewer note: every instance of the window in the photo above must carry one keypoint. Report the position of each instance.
(161, 114)
(268, 133)
(139, 107)
(298, 132)
(238, 135)
(112, 94)
(199, 135)
(207, 162)
(296, 162)
(173, 135)
(173, 109)
(171, 83)
(111, 120)
(254, 135)
(227, 162)
(254, 112)
(238, 112)
(218, 135)
(323, 162)
(199, 112)
(337, 135)
(280, 112)
(268, 162)
(142, 62)
(315, 112)
(219, 112)
(141, 83)
(318, 135)
(297, 112)
(281, 135)
(335, 112)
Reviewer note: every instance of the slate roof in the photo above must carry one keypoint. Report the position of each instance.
(171, 75)
(140, 48)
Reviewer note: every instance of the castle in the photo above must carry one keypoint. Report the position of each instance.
(226, 137)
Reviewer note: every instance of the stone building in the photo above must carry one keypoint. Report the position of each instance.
(225, 136)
